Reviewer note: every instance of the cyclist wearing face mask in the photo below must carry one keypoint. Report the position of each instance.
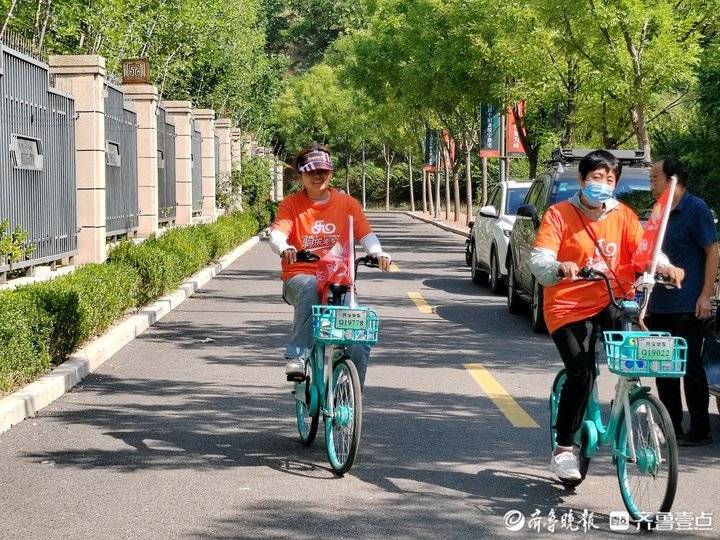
(594, 230)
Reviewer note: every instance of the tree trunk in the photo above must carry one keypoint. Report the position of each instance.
(484, 181)
(431, 194)
(348, 160)
(637, 112)
(572, 89)
(639, 123)
(424, 191)
(412, 189)
(468, 184)
(389, 157)
(447, 187)
(456, 195)
(7, 18)
(437, 194)
(364, 177)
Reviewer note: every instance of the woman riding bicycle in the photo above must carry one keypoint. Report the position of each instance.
(314, 219)
(593, 230)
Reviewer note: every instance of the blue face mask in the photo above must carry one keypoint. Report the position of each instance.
(597, 193)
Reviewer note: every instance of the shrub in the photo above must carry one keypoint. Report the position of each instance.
(24, 340)
(47, 321)
(84, 303)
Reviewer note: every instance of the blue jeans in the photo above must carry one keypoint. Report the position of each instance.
(301, 292)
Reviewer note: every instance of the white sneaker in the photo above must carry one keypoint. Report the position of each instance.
(565, 466)
(295, 368)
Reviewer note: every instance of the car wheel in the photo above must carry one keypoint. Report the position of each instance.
(478, 276)
(495, 282)
(537, 320)
(513, 299)
(468, 255)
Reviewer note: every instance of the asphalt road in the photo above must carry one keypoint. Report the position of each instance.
(189, 431)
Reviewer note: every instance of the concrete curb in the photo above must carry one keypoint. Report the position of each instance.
(26, 402)
(462, 232)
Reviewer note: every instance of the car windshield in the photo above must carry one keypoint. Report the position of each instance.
(633, 190)
(515, 198)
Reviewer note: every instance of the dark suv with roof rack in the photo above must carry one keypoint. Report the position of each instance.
(555, 184)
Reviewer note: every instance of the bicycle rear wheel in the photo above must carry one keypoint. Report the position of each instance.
(342, 431)
(307, 423)
(648, 483)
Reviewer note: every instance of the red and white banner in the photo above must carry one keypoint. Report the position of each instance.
(450, 149)
(513, 143)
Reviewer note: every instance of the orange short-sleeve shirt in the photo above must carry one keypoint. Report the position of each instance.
(563, 231)
(316, 226)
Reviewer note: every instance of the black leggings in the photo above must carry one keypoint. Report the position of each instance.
(576, 345)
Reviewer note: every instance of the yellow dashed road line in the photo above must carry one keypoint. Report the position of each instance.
(394, 267)
(502, 400)
(420, 302)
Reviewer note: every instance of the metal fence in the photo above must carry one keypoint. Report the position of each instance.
(37, 159)
(121, 193)
(166, 168)
(197, 192)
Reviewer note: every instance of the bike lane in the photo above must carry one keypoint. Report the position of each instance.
(189, 430)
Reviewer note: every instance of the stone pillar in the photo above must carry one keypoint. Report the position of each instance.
(145, 99)
(236, 149)
(181, 114)
(84, 78)
(205, 123)
(222, 130)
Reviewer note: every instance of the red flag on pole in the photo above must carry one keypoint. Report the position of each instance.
(337, 265)
(645, 258)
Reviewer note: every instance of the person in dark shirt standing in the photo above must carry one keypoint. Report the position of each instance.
(691, 244)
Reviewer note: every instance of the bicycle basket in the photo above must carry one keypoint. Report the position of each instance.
(342, 325)
(645, 354)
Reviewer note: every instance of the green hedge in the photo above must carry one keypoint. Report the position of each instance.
(43, 323)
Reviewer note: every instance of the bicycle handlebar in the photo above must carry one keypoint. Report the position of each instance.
(306, 256)
(371, 261)
(590, 274)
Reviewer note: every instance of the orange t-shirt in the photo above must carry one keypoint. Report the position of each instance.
(563, 230)
(316, 226)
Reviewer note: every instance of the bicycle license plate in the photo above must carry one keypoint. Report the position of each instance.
(351, 319)
(656, 348)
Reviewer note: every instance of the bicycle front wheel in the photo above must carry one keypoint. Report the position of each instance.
(342, 431)
(648, 482)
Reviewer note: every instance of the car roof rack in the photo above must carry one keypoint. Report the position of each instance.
(569, 155)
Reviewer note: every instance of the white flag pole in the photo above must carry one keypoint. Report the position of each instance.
(351, 259)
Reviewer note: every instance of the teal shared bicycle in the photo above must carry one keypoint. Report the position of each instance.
(639, 430)
(331, 387)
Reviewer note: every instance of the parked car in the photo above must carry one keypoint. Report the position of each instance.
(558, 183)
(486, 248)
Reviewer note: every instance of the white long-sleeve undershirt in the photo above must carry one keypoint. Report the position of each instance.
(369, 242)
